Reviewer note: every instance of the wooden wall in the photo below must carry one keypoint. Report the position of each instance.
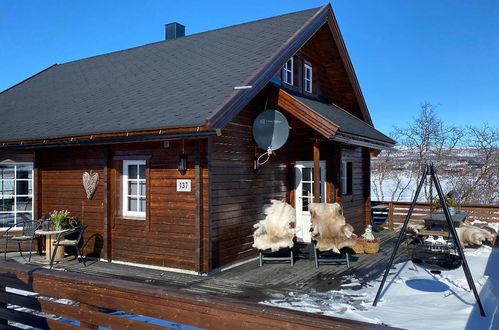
(330, 79)
(173, 234)
(237, 194)
(59, 187)
(355, 205)
(168, 236)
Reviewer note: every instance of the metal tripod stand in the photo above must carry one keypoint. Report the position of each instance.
(430, 170)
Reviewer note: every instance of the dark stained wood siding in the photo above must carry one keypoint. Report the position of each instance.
(237, 194)
(60, 187)
(354, 205)
(330, 78)
(167, 236)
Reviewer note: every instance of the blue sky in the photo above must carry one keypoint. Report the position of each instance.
(445, 52)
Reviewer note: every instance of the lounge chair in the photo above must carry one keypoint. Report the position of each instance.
(330, 233)
(274, 235)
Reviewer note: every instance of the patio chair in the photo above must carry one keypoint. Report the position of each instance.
(274, 235)
(27, 233)
(71, 237)
(330, 234)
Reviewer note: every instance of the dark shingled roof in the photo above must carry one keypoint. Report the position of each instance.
(348, 123)
(167, 84)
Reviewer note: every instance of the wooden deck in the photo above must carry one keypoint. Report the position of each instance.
(249, 281)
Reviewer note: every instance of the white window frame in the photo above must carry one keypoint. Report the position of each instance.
(288, 69)
(126, 213)
(307, 79)
(15, 195)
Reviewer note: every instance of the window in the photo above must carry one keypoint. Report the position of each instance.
(134, 188)
(346, 178)
(16, 193)
(307, 78)
(287, 72)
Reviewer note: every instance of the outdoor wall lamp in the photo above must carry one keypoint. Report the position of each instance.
(182, 163)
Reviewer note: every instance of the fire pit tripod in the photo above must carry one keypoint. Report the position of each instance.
(428, 257)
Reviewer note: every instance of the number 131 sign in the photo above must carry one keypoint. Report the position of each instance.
(183, 185)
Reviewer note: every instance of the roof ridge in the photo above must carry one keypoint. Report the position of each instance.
(191, 35)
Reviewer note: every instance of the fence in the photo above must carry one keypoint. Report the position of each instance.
(89, 301)
(394, 213)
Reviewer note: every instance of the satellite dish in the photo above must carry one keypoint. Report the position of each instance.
(270, 130)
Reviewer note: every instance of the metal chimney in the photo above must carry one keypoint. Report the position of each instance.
(174, 30)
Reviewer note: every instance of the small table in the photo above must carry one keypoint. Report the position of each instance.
(50, 237)
(437, 219)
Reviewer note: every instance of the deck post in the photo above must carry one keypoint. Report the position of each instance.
(317, 185)
(84, 308)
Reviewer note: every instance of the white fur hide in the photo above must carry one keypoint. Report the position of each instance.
(275, 231)
(471, 235)
(329, 227)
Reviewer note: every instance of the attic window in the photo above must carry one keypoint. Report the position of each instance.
(287, 72)
(307, 78)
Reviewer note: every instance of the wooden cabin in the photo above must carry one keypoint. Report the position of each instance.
(138, 116)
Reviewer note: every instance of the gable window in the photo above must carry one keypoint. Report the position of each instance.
(346, 178)
(16, 193)
(287, 72)
(307, 78)
(134, 188)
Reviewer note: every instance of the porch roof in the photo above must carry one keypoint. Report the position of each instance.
(333, 122)
(347, 123)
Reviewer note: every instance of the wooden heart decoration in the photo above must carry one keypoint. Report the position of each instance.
(90, 181)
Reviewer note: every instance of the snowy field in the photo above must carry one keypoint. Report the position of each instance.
(414, 298)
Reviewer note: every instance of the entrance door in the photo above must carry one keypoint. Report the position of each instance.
(304, 189)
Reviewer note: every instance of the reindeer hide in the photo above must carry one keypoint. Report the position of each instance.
(329, 228)
(472, 235)
(275, 231)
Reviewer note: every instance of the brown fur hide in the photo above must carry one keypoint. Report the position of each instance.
(414, 226)
(329, 227)
(276, 230)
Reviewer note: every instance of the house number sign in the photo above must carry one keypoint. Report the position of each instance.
(183, 185)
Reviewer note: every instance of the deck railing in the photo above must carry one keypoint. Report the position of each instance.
(90, 300)
(397, 211)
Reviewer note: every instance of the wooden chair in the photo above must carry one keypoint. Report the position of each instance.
(72, 238)
(27, 233)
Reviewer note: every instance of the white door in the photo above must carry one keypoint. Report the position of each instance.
(304, 188)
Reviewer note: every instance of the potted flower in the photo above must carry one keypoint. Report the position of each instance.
(62, 220)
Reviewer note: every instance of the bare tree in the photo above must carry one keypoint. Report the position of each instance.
(430, 139)
(389, 176)
(480, 182)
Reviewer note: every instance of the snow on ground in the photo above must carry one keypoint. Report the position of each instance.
(414, 298)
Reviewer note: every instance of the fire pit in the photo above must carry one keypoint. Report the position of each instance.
(435, 255)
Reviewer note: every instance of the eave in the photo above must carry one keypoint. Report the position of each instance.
(110, 138)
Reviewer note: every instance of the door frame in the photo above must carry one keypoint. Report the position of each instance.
(298, 200)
